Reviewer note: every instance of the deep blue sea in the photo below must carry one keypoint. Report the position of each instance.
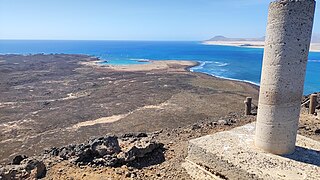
(223, 61)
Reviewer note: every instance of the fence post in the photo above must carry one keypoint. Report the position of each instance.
(313, 103)
(247, 104)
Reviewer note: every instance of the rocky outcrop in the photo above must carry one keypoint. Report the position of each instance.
(103, 151)
(108, 150)
(29, 168)
(17, 159)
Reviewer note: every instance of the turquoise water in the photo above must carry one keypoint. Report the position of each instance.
(123, 61)
(223, 61)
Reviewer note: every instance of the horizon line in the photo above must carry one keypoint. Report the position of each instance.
(95, 40)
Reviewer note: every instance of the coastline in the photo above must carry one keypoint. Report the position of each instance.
(256, 85)
(164, 65)
(153, 65)
(314, 47)
(181, 65)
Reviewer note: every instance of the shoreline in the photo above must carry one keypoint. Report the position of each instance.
(153, 65)
(231, 79)
(189, 64)
(314, 47)
(96, 62)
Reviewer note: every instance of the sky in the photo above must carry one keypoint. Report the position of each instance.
(176, 20)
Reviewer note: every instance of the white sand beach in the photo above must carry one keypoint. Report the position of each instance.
(167, 65)
(315, 47)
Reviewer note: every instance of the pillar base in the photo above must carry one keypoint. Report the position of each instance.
(232, 155)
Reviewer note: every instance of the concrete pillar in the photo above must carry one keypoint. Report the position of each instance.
(247, 104)
(283, 72)
(313, 103)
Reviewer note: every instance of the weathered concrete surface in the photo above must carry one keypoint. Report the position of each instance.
(287, 44)
(225, 153)
(198, 172)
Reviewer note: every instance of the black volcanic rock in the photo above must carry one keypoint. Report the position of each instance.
(108, 150)
(29, 168)
(17, 159)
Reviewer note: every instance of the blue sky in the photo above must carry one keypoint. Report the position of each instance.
(134, 19)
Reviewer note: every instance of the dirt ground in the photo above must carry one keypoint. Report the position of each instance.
(55, 100)
(176, 145)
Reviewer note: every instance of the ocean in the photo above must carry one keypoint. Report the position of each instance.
(237, 63)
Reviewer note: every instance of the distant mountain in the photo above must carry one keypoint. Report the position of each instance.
(223, 38)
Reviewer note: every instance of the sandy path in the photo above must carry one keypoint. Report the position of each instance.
(115, 118)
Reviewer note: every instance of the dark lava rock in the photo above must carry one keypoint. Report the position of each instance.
(195, 126)
(106, 151)
(84, 156)
(29, 168)
(138, 149)
(17, 159)
(64, 153)
(105, 146)
(53, 151)
(37, 168)
(137, 135)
